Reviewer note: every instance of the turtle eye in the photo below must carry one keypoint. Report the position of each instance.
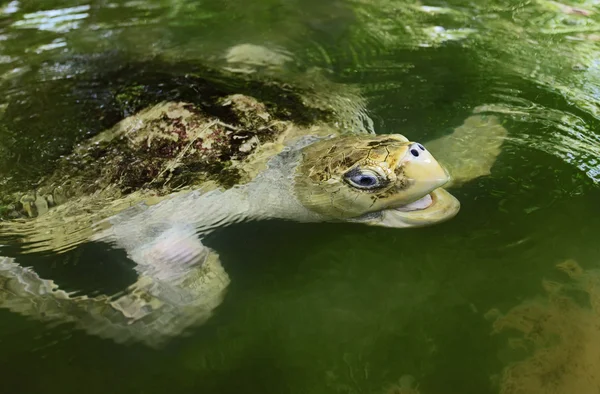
(363, 179)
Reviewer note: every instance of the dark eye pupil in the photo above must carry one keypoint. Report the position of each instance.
(362, 179)
(366, 181)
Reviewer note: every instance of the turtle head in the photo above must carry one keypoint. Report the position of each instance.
(383, 180)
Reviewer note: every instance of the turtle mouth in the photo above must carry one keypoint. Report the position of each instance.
(435, 207)
(422, 203)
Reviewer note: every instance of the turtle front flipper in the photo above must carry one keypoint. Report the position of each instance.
(159, 306)
(471, 150)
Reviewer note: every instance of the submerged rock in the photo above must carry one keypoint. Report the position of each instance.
(559, 334)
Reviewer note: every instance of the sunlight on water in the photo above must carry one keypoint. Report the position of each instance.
(58, 21)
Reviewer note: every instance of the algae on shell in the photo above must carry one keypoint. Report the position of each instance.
(164, 148)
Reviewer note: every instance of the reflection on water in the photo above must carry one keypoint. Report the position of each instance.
(567, 135)
(317, 308)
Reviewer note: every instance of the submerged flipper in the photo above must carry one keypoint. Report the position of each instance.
(180, 284)
(471, 150)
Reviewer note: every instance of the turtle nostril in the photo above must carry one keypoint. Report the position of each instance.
(414, 152)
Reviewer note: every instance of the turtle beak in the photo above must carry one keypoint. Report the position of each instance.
(422, 170)
(438, 206)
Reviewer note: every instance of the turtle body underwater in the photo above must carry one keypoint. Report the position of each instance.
(316, 172)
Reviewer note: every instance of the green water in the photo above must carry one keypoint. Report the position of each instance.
(325, 308)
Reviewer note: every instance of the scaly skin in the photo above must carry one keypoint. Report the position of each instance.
(181, 281)
(305, 174)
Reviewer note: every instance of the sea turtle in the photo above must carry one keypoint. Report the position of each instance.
(310, 173)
